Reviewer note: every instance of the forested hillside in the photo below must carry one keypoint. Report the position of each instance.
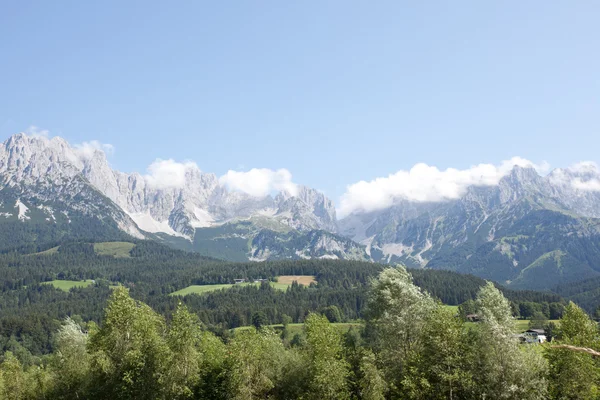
(32, 303)
(411, 347)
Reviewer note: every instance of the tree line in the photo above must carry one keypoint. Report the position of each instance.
(31, 310)
(411, 347)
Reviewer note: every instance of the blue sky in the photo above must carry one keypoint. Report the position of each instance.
(333, 91)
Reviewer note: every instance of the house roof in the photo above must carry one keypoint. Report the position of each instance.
(538, 331)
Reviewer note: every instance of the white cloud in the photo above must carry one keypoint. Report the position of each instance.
(592, 185)
(584, 176)
(259, 182)
(83, 151)
(168, 174)
(584, 167)
(34, 131)
(86, 150)
(424, 183)
(587, 178)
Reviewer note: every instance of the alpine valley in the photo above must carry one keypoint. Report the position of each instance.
(528, 231)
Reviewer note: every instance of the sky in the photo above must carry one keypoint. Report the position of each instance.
(332, 93)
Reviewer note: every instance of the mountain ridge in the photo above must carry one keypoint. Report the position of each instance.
(487, 230)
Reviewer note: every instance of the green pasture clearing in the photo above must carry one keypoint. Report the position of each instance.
(281, 284)
(452, 308)
(201, 289)
(68, 285)
(521, 325)
(114, 249)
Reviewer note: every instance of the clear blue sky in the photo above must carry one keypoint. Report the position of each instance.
(334, 91)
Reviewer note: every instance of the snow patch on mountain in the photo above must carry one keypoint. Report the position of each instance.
(48, 211)
(396, 249)
(145, 222)
(173, 198)
(22, 210)
(203, 218)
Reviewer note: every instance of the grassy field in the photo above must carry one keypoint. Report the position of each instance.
(521, 325)
(453, 308)
(301, 279)
(201, 289)
(115, 249)
(68, 285)
(280, 286)
(283, 282)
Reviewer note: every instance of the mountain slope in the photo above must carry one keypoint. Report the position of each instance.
(524, 230)
(528, 231)
(79, 184)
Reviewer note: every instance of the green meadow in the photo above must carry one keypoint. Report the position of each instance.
(115, 249)
(201, 289)
(68, 285)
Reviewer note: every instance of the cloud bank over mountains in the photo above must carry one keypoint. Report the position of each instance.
(425, 183)
(421, 183)
(260, 182)
(168, 174)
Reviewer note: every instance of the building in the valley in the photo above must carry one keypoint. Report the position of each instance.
(535, 336)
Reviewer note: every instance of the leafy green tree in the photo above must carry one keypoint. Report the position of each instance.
(254, 364)
(328, 370)
(333, 314)
(372, 383)
(129, 353)
(286, 320)
(298, 340)
(574, 375)
(527, 309)
(213, 373)
(13, 378)
(556, 310)
(40, 382)
(442, 369)
(285, 333)
(71, 361)
(184, 366)
(259, 319)
(538, 321)
(467, 308)
(295, 375)
(397, 310)
(550, 329)
(494, 308)
(503, 370)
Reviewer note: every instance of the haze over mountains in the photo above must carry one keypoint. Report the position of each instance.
(510, 223)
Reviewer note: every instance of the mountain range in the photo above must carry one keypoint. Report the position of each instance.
(527, 231)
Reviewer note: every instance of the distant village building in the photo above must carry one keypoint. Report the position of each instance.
(533, 336)
(239, 281)
(260, 280)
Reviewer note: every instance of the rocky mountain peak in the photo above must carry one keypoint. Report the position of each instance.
(179, 208)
